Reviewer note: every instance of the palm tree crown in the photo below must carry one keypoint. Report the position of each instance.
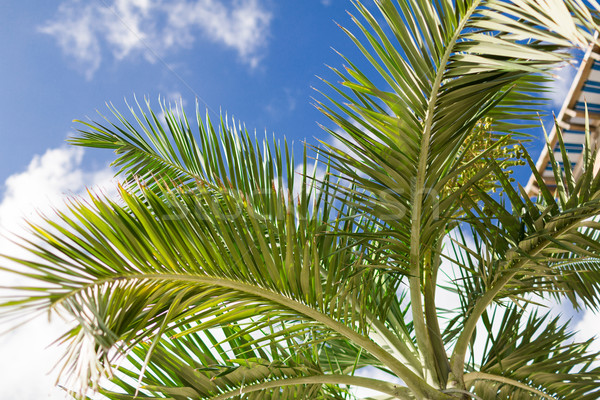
(220, 272)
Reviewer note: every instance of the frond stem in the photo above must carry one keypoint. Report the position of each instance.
(420, 387)
(416, 300)
(396, 391)
(398, 344)
(473, 376)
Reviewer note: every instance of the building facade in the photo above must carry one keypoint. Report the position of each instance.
(585, 90)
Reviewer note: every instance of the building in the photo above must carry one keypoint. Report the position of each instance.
(571, 119)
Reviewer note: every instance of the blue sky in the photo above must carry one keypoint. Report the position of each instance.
(62, 60)
(256, 60)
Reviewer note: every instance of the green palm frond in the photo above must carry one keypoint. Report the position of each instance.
(445, 71)
(446, 66)
(172, 152)
(545, 235)
(578, 277)
(526, 241)
(188, 368)
(159, 258)
(534, 357)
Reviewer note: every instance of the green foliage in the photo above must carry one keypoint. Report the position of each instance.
(221, 273)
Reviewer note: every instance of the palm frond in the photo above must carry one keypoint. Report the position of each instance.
(188, 368)
(446, 66)
(534, 357)
(526, 241)
(166, 148)
(159, 258)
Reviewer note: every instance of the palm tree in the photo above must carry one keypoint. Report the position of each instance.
(220, 272)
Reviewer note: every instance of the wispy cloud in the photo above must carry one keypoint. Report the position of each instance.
(74, 33)
(152, 28)
(284, 103)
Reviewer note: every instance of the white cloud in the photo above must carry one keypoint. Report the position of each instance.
(126, 25)
(243, 27)
(151, 28)
(589, 327)
(559, 87)
(26, 361)
(76, 37)
(44, 184)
